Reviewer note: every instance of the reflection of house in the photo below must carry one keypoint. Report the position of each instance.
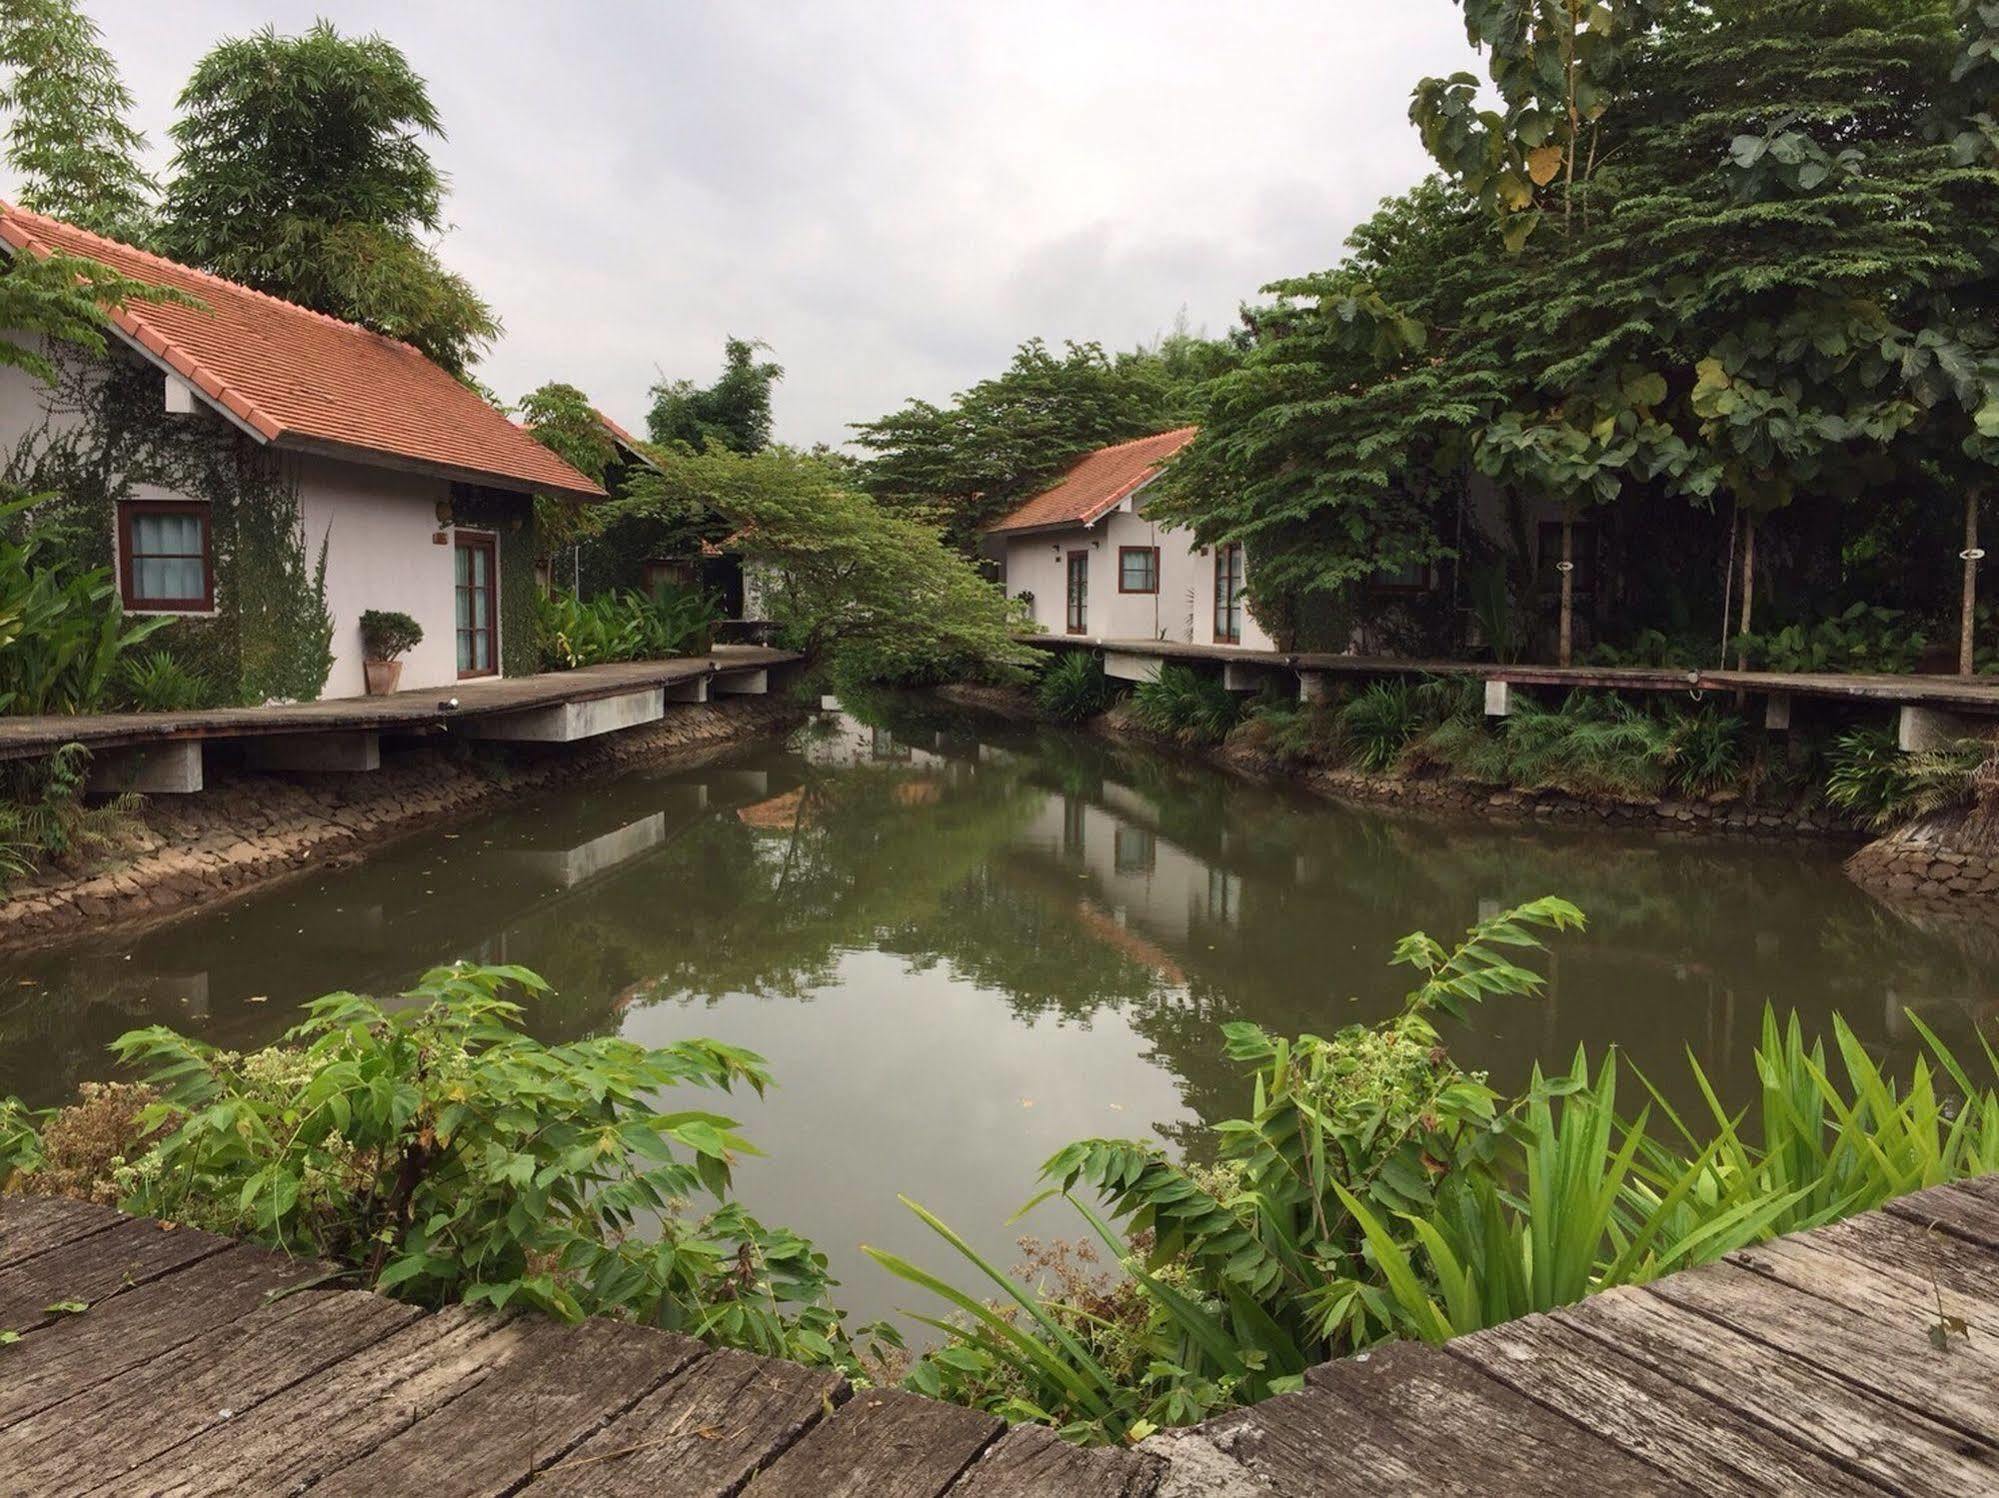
(1149, 881)
(1090, 562)
(234, 445)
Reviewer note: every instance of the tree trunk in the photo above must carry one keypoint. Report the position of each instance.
(1748, 585)
(1568, 571)
(1968, 620)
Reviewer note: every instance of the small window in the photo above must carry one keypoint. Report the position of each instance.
(1138, 569)
(1414, 578)
(1134, 850)
(165, 556)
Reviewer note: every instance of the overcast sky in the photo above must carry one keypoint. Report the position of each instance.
(892, 193)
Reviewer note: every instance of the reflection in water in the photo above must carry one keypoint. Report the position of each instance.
(962, 946)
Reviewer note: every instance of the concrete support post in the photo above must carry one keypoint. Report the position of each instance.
(688, 691)
(1777, 712)
(1498, 699)
(316, 753)
(1315, 687)
(565, 722)
(1921, 728)
(171, 769)
(740, 684)
(1238, 677)
(1123, 667)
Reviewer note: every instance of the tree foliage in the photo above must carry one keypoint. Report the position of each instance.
(302, 170)
(964, 465)
(733, 413)
(873, 595)
(68, 140)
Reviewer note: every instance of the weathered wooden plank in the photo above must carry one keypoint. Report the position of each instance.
(561, 1386)
(1900, 1304)
(1904, 1451)
(338, 1416)
(127, 1254)
(1463, 1426)
(882, 1443)
(1031, 1461)
(705, 1432)
(126, 1331)
(31, 1225)
(1894, 1362)
(1648, 1414)
(102, 1434)
(1969, 1209)
(1913, 1248)
(1313, 1443)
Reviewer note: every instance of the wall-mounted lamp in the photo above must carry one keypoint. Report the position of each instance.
(444, 512)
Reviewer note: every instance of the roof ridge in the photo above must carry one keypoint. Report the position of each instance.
(14, 210)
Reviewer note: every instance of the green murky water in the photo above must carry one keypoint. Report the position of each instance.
(962, 945)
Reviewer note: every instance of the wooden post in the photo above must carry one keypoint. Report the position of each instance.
(1568, 571)
(1965, 654)
(1748, 583)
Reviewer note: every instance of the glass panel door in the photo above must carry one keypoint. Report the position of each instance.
(1228, 594)
(477, 606)
(1079, 592)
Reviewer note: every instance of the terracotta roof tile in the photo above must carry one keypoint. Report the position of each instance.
(298, 376)
(1097, 484)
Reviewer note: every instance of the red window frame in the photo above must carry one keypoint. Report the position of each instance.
(489, 543)
(1229, 581)
(127, 586)
(1075, 598)
(1123, 552)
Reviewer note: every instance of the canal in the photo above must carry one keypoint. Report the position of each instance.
(961, 944)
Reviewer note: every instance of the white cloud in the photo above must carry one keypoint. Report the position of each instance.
(892, 193)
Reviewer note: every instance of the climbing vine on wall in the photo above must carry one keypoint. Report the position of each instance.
(105, 434)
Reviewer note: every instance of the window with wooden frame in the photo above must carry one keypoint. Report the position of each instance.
(476, 584)
(1138, 569)
(1079, 593)
(1228, 594)
(166, 556)
(1414, 578)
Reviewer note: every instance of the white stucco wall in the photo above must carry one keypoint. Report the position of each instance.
(1183, 609)
(381, 554)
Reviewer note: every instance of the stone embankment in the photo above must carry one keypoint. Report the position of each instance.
(1936, 858)
(248, 830)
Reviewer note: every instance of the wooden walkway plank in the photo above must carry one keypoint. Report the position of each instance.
(1459, 1423)
(1031, 1461)
(1912, 1248)
(1969, 1209)
(125, 1255)
(1792, 1397)
(32, 1225)
(703, 1434)
(561, 1386)
(1310, 1443)
(882, 1443)
(1897, 1302)
(1676, 1429)
(338, 1416)
(1889, 1355)
(129, 1330)
(101, 1435)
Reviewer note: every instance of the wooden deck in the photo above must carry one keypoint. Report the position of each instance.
(204, 1367)
(1967, 694)
(412, 711)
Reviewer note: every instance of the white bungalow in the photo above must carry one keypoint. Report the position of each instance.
(1089, 561)
(416, 491)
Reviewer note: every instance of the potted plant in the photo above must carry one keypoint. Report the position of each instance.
(385, 635)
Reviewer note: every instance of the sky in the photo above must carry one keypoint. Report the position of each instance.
(892, 194)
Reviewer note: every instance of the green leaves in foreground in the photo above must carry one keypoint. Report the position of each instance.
(1375, 1190)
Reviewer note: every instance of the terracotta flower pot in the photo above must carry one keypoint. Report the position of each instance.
(383, 676)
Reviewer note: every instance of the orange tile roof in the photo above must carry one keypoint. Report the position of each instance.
(1097, 484)
(299, 378)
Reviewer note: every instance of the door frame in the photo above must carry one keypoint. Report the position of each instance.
(488, 542)
(1230, 579)
(1076, 621)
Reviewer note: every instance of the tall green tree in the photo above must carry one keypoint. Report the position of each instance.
(302, 170)
(734, 412)
(965, 464)
(72, 151)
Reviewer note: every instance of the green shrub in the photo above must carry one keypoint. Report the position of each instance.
(1375, 1189)
(388, 633)
(1291, 732)
(1073, 688)
(1865, 637)
(63, 632)
(625, 626)
(43, 818)
(1183, 704)
(157, 683)
(446, 1156)
(1873, 781)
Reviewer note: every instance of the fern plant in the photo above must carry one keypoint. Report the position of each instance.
(1073, 688)
(157, 683)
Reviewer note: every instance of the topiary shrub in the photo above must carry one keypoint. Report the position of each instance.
(388, 633)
